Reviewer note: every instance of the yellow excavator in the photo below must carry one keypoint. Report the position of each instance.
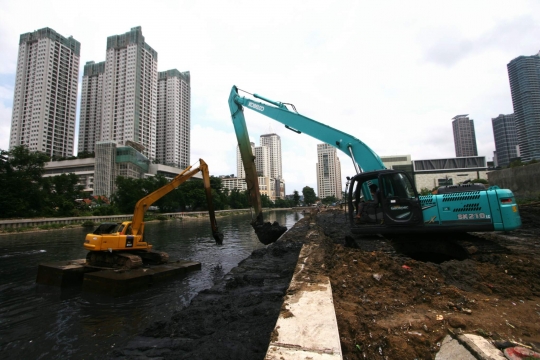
(121, 245)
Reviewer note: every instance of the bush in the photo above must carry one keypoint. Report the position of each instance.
(88, 223)
(161, 218)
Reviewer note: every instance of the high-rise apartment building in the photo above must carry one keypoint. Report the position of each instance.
(464, 136)
(262, 161)
(45, 96)
(240, 172)
(328, 172)
(506, 140)
(524, 75)
(130, 92)
(91, 106)
(173, 118)
(273, 142)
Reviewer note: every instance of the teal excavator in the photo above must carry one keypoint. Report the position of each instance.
(395, 207)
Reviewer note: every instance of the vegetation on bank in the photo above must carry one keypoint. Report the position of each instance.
(27, 194)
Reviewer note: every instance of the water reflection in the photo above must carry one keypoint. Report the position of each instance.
(42, 322)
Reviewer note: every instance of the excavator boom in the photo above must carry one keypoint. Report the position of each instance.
(147, 201)
(399, 208)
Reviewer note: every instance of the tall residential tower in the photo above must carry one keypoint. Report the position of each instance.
(328, 172)
(45, 96)
(173, 118)
(273, 142)
(506, 140)
(464, 136)
(91, 106)
(130, 92)
(524, 74)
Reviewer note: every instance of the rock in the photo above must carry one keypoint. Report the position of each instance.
(457, 322)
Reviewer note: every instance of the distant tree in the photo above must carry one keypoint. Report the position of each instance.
(21, 172)
(329, 200)
(296, 198)
(238, 199)
(309, 195)
(61, 191)
(86, 154)
(266, 202)
(129, 191)
(283, 203)
(515, 163)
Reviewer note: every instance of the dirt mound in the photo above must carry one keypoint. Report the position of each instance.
(390, 306)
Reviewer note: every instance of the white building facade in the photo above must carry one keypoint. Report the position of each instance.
(328, 172)
(130, 92)
(273, 142)
(173, 118)
(45, 96)
(91, 106)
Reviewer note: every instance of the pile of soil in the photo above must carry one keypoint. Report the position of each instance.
(390, 304)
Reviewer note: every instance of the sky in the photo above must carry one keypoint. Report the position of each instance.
(391, 73)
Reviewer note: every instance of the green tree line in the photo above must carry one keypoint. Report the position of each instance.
(26, 193)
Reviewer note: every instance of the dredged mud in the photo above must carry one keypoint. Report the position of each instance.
(394, 298)
(232, 320)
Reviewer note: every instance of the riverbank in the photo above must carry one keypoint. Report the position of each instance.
(388, 304)
(12, 226)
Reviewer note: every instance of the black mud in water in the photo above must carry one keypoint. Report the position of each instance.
(232, 320)
(268, 232)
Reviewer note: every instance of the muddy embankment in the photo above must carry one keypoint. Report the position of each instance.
(391, 300)
(232, 320)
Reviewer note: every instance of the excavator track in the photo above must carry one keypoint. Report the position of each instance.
(126, 260)
(114, 260)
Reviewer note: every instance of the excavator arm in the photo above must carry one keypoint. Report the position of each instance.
(364, 159)
(143, 204)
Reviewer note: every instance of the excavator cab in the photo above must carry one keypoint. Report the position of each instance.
(383, 201)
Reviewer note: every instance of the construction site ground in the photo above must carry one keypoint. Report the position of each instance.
(393, 298)
(391, 306)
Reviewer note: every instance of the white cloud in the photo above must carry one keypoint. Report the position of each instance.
(392, 74)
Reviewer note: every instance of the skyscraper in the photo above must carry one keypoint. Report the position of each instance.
(506, 140)
(464, 136)
(262, 161)
(273, 142)
(328, 172)
(45, 96)
(524, 75)
(240, 171)
(173, 118)
(130, 92)
(91, 106)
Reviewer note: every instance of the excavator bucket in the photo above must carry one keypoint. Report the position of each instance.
(218, 236)
(269, 233)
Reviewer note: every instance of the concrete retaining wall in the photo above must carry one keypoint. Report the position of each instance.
(18, 223)
(523, 181)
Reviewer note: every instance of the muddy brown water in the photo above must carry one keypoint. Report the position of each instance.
(41, 322)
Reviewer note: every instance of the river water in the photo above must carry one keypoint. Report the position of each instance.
(44, 322)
